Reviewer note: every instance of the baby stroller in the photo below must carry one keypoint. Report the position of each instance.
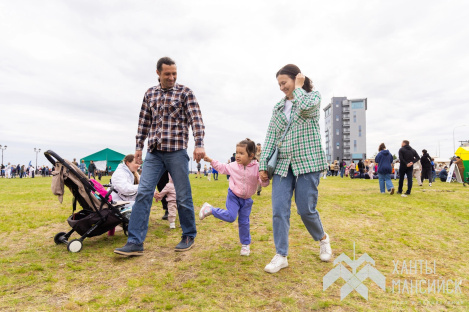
(99, 214)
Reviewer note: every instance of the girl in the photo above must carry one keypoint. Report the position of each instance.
(244, 178)
(170, 192)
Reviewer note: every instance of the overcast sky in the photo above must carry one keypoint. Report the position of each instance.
(73, 73)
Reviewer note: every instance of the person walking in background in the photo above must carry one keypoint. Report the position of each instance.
(167, 112)
(169, 192)
(199, 166)
(433, 170)
(407, 157)
(299, 165)
(384, 160)
(82, 166)
(396, 169)
(75, 162)
(426, 162)
(215, 174)
(244, 177)
(342, 168)
(91, 170)
(371, 170)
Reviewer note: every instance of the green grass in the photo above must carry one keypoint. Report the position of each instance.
(37, 275)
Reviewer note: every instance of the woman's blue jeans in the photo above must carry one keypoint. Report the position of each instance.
(385, 182)
(156, 163)
(306, 198)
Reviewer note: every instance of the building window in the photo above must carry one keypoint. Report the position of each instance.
(359, 130)
(337, 131)
(336, 117)
(337, 145)
(354, 145)
(354, 116)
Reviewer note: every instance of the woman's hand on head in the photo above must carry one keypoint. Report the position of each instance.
(299, 80)
(264, 176)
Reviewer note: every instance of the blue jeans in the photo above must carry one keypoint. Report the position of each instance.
(342, 172)
(156, 163)
(236, 208)
(306, 197)
(385, 182)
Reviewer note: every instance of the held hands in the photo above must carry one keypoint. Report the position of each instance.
(264, 176)
(157, 196)
(207, 159)
(199, 153)
(299, 80)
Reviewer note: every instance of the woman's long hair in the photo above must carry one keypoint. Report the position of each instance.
(291, 71)
(130, 158)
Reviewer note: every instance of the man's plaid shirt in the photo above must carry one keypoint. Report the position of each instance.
(301, 147)
(165, 117)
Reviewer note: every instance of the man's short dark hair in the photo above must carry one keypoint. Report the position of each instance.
(406, 142)
(164, 60)
(424, 151)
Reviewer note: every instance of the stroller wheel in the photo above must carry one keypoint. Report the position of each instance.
(75, 245)
(57, 238)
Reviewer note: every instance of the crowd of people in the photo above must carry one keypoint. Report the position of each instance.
(10, 171)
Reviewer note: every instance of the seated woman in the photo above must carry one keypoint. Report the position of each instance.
(125, 182)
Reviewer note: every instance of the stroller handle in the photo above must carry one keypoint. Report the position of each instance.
(50, 155)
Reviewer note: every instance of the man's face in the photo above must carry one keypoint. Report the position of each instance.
(167, 76)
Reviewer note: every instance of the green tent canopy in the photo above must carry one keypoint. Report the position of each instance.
(111, 157)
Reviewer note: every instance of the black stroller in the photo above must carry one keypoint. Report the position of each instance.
(98, 215)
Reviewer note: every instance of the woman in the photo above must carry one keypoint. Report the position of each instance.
(125, 180)
(384, 160)
(300, 162)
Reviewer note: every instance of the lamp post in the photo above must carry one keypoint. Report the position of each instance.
(37, 150)
(3, 148)
(454, 145)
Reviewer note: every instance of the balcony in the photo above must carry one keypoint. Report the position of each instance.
(346, 137)
(346, 117)
(346, 146)
(346, 109)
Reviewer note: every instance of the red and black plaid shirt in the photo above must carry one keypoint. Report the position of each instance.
(165, 117)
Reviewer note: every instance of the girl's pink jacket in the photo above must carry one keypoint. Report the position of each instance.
(243, 179)
(169, 191)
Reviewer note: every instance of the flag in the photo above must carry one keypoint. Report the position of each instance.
(29, 163)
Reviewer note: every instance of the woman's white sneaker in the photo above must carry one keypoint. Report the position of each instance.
(325, 251)
(205, 211)
(278, 262)
(172, 225)
(245, 250)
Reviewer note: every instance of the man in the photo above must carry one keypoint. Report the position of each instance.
(75, 162)
(426, 162)
(82, 166)
(167, 111)
(91, 170)
(407, 157)
(461, 168)
(444, 174)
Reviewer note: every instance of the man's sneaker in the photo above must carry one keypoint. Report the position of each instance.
(398, 192)
(205, 211)
(172, 225)
(165, 217)
(278, 262)
(430, 184)
(245, 251)
(404, 195)
(130, 250)
(392, 191)
(259, 193)
(186, 243)
(325, 251)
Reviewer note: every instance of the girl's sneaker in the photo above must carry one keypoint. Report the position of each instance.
(172, 225)
(205, 211)
(245, 251)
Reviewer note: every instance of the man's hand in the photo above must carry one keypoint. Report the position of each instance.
(299, 80)
(264, 176)
(410, 164)
(207, 159)
(138, 157)
(199, 153)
